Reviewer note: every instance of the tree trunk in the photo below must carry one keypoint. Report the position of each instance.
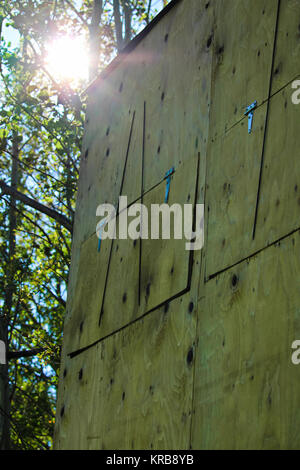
(3, 337)
(122, 40)
(8, 300)
(128, 15)
(118, 25)
(95, 38)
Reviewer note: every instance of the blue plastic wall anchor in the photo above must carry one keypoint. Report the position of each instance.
(250, 112)
(168, 178)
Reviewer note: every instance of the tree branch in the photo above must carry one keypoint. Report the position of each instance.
(60, 218)
(79, 15)
(39, 123)
(148, 12)
(59, 299)
(20, 354)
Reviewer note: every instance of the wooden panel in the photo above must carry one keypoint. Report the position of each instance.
(156, 63)
(81, 327)
(286, 66)
(91, 305)
(133, 390)
(165, 271)
(177, 89)
(232, 180)
(112, 103)
(243, 49)
(152, 71)
(132, 185)
(101, 172)
(165, 264)
(120, 305)
(279, 205)
(109, 120)
(247, 393)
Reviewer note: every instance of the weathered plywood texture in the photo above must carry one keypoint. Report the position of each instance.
(121, 156)
(121, 302)
(243, 49)
(132, 187)
(165, 264)
(286, 65)
(192, 349)
(126, 284)
(104, 158)
(82, 327)
(232, 180)
(247, 389)
(131, 160)
(133, 390)
(168, 70)
(178, 77)
(101, 173)
(279, 202)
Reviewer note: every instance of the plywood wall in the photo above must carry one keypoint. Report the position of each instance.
(166, 349)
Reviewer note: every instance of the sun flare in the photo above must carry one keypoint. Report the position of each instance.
(67, 59)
